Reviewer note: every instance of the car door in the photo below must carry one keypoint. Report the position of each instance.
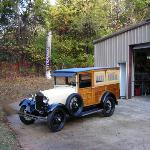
(99, 85)
(85, 87)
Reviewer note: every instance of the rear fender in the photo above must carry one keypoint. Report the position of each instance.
(106, 94)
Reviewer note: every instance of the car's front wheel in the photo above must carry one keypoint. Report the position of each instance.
(74, 104)
(108, 106)
(23, 116)
(56, 119)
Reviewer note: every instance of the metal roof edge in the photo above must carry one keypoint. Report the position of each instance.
(122, 31)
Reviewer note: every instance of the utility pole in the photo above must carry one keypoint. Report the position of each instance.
(48, 55)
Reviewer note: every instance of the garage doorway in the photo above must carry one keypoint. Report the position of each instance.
(141, 61)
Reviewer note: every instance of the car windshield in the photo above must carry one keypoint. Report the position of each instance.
(65, 81)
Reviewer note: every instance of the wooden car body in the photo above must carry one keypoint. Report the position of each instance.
(84, 91)
(100, 81)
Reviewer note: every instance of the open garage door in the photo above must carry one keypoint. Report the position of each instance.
(141, 62)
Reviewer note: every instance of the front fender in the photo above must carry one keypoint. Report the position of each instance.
(57, 105)
(26, 102)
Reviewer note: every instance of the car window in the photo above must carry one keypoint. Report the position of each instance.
(99, 77)
(112, 75)
(60, 80)
(65, 80)
(85, 80)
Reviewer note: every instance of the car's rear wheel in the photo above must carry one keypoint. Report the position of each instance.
(74, 104)
(56, 119)
(108, 106)
(23, 116)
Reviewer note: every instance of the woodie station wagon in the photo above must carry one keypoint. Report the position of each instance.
(77, 92)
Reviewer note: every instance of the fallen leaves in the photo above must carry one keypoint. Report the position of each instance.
(12, 90)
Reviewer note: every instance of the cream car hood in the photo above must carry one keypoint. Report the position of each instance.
(59, 94)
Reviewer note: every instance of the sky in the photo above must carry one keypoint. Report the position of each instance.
(53, 2)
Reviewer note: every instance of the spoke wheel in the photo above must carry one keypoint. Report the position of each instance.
(56, 120)
(108, 106)
(75, 105)
(25, 119)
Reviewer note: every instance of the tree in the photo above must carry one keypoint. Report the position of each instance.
(126, 12)
(74, 24)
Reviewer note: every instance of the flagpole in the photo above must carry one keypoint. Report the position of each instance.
(48, 55)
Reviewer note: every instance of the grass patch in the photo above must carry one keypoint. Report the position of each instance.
(8, 139)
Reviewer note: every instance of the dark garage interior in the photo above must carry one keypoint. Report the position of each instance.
(142, 72)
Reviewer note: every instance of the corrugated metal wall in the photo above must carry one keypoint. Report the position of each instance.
(111, 51)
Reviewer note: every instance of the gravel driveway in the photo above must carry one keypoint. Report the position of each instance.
(127, 129)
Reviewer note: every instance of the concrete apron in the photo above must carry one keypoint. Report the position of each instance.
(128, 128)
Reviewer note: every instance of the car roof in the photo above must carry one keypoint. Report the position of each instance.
(76, 70)
(72, 71)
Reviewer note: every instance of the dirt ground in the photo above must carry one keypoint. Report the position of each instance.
(12, 90)
(127, 129)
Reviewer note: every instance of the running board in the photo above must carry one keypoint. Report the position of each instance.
(84, 113)
(32, 116)
(92, 111)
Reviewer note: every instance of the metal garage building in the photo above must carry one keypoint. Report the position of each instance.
(129, 49)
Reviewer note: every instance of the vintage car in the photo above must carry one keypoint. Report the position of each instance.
(77, 92)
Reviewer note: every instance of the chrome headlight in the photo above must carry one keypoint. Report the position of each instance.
(45, 100)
